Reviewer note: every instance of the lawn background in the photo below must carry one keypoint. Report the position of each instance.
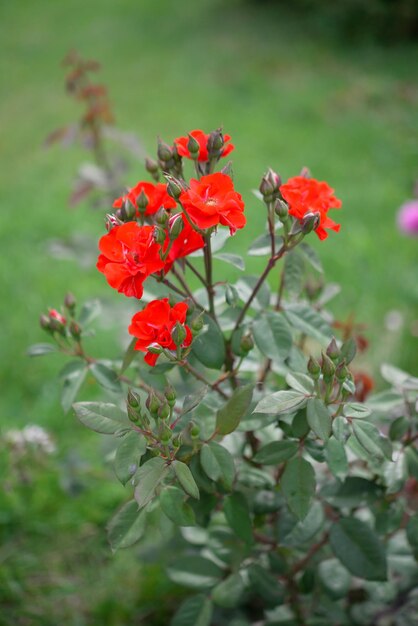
(291, 94)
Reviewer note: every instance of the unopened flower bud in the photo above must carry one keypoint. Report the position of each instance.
(341, 372)
(165, 433)
(75, 330)
(174, 188)
(332, 350)
(275, 179)
(314, 368)
(164, 151)
(327, 368)
(152, 167)
(281, 209)
(215, 143)
(231, 295)
(178, 334)
(177, 441)
(170, 395)
(266, 188)
(175, 226)
(161, 217)
(197, 324)
(155, 348)
(164, 411)
(70, 302)
(128, 211)
(310, 222)
(194, 430)
(142, 202)
(111, 221)
(133, 414)
(159, 235)
(152, 403)
(246, 343)
(44, 322)
(193, 147)
(133, 399)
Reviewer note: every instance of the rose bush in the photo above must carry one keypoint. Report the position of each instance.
(285, 490)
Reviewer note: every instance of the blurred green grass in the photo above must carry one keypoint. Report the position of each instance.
(288, 94)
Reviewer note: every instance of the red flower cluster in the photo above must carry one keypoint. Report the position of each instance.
(202, 139)
(188, 241)
(212, 200)
(307, 195)
(154, 326)
(156, 194)
(128, 256)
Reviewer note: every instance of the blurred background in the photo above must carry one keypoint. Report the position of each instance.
(333, 88)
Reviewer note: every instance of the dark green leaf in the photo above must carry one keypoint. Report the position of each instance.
(336, 457)
(307, 528)
(194, 611)
(308, 321)
(276, 452)
(217, 461)
(193, 400)
(335, 578)
(173, 504)
(348, 350)
(358, 548)
(294, 267)
(281, 402)
(370, 439)
(354, 491)
(319, 418)
(238, 517)
(298, 485)
(228, 592)
(128, 455)
(39, 349)
(272, 335)
(229, 416)
(106, 377)
(300, 382)
(265, 584)
(195, 572)
(233, 259)
(101, 417)
(126, 527)
(129, 355)
(186, 479)
(147, 479)
(412, 534)
(209, 345)
(73, 376)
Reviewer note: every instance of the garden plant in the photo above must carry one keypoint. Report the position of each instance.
(247, 439)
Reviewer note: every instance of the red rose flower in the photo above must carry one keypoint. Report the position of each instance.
(188, 241)
(157, 197)
(129, 255)
(212, 200)
(202, 139)
(307, 195)
(154, 325)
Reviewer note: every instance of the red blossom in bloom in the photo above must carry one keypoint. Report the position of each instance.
(188, 241)
(212, 200)
(154, 325)
(202, 139)
(128, 256)
(307, 195)
(157, 197)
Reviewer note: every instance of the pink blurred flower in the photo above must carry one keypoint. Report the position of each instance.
(408, 218)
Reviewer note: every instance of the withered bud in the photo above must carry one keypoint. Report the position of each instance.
(193, 147)
(142, 201)
(178, 334)
(328, 368)
(310, 222)
(332, 350)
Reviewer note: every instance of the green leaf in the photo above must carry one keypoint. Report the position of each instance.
(298, 486)
(276, 452)
(147, 479)
(229, 416)
(217, 462)
(195, 572)
(294, 267)
(359, 549)
(370, 439)
(39, 349)
(106, 377)
(335, 578)
(237, 515)
(300, 382)
(186, 479)
(336, 458)
(348, 350)
(101, 417)
(228, 592)
(209, 345)
(73, 375)
(233, 259)
(272, 335)
(308, 321)
(128, 455)
(281, 402)
(129, 355)
(126, 527)
(412, 534)
(356, 410)
(265, 584)
(89, 311)
(307, 528)
(193, 400)
(353, 492)
(194, 611)
(311, 256)
(319, 418)
(173, 504)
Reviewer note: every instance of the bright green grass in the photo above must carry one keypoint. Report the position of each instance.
(289, 98)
